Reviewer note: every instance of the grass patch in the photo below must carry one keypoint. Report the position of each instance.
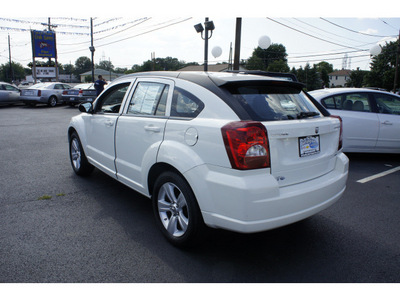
(45, 197)
(60, 195)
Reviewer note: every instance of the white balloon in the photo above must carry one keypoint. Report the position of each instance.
(264, 42)
(216, 51)
(375, 50)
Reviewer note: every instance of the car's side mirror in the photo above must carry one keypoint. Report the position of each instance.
(86, 107)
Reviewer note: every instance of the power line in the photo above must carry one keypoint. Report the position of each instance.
(340, 36)
(130, 37)
(389, 24)
(351, 30)
(310, 35)
(329, 59)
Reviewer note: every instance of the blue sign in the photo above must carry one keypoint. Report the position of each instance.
(44, 43)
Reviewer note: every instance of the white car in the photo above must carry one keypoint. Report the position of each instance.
(213, 148)
(371, 118)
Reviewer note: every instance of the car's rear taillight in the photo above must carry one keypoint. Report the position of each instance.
(65, 92)
(80, 93)
(341, 132)
(39, 93)
(247, 145)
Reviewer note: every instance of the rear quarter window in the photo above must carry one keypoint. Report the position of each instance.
(185, 104)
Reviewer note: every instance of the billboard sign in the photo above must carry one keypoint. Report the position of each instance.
(44, 43)
(45, 72)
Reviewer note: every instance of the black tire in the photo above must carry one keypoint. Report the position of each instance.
(77, 156)
(176, 210)
(53, 101)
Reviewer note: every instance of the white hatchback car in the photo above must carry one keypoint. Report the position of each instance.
(371, 118)
(240, 152)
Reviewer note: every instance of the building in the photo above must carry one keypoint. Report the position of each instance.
(339, 78)
(107, 75)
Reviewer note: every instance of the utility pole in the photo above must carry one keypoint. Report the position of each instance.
(91, 48)
(237, 44)
(396, 74)
(9, 55)
(50, 28)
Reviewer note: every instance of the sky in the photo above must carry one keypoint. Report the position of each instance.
(341, 34)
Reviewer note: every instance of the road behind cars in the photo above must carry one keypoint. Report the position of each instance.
(55, 227)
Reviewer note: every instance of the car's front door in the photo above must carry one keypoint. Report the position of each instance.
(140, 131)
(100, 128)
(389, 123)
(4, 94)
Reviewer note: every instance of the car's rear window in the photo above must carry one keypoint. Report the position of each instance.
(271, 103)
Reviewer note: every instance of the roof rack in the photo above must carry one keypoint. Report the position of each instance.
(287, 76)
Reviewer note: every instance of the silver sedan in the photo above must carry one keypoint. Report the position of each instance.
(49, 93)
(9, 94)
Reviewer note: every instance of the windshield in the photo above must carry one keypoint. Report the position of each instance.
(269, 103)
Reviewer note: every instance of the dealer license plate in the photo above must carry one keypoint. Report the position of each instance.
(309, 145)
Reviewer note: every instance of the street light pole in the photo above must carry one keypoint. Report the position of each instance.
(209, 26)
(206, 48)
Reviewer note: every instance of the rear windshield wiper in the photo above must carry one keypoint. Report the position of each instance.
(307, 114)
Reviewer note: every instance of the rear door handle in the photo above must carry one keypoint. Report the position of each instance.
(152, 128)
(387, 123)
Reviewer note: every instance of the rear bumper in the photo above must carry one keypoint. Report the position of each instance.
(29, 100)
(256, 203)
(77, 99)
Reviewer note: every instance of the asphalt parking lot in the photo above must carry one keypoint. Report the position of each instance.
(58, 227)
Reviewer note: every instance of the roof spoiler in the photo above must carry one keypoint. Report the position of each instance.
(287, 76)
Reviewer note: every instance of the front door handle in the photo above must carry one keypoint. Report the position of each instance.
(109, 123)
(152, 128)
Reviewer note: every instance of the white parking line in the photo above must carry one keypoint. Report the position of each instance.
(378, 175)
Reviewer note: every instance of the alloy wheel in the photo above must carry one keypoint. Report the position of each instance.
(173, 209)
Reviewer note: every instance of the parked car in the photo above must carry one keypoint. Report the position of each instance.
(371, 118)
(9, 94)
(79, 93)
(213, 148)
(49, 93)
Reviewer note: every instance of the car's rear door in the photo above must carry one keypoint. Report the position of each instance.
(100, 128)
(140, 130)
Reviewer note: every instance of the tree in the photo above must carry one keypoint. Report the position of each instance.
(120, 70)
(383, 68)
(105, 65)
(68, 69)
(254, 63)
(324, 68)
(18, 72)
(357, 78)
(82, 64)
(278, 66)
(309, 76)
(160, 64)
(275, 52)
